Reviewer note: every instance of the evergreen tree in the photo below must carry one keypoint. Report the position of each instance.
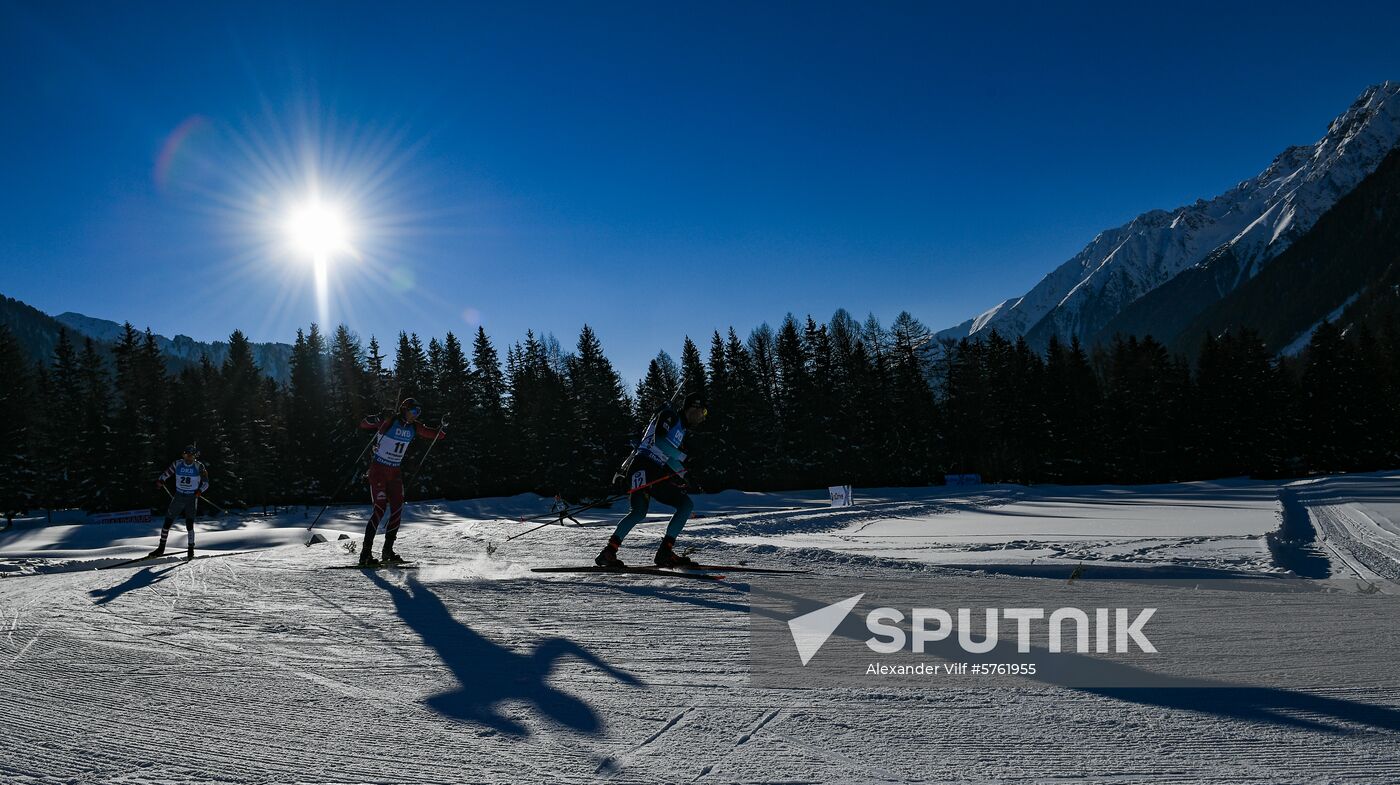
(763, 347)
(882, 428)
(239, 413)
(662, 383)
(822, 413)
(795, 443)
(1333, 427)
(209, 433)
(311, 464)
(452, 473)
(489, 426)
(721, 426)
(912, 403)
(1072, 415)
(411, 369)
(87, 471)
(139, 386)
(61, 480)
(432, 384)
(18, 488)
(1144, 406)
(601, 418)
(745, 422)
(382, 385)
(849, 370)
(692, 371)
(352, 388)
(539, 413)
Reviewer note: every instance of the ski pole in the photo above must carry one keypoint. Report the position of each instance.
(343, 485)
(567, 513)
(215, 506)
(442, 423)
(197, 499)
(557, 518)
(571, 511)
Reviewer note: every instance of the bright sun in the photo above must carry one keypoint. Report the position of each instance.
(318, 230)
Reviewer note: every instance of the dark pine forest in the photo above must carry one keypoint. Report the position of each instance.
(807, 404)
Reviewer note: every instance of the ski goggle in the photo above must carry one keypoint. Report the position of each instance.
(416, 411)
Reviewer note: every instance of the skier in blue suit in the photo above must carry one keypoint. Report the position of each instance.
(656, 469)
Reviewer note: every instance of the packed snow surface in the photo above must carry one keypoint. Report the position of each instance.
(263, 667)
(1009, 528)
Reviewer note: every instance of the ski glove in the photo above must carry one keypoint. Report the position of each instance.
(373, 419)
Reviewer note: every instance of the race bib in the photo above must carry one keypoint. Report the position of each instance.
(393, 443)
(187, 478)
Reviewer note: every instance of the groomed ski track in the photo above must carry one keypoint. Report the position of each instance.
(266, 668)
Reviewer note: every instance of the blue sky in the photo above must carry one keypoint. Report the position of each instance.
(654, 170)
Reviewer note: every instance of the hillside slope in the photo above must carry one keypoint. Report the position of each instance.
(1232, 237)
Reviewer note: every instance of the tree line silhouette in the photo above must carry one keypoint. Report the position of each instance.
(805, 405)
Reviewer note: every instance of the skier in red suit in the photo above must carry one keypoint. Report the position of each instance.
(394, 435)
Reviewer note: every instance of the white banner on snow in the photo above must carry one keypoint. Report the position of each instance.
(841, 496)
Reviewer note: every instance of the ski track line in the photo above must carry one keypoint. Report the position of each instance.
(1334, 523)
(19, 655)
(174, 686)
(121, 704)
(739, 742)
(621, 762)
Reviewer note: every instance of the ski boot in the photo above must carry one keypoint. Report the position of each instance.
(389, 557)
(607, 558)
(666, 555)
(159, 551)
(189, 554)
(367, 560)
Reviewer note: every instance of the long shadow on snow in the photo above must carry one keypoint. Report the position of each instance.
(1293, 545)
(1260, 704)
(139, 579)
(488, 673)
(1204, 696)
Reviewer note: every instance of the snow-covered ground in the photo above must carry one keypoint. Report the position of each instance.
(263, 667)
(1050, 529)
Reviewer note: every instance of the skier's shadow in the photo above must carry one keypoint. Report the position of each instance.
(490, 674)
(139, 579)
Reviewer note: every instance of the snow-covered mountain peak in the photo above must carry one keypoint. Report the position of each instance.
(1246, 226)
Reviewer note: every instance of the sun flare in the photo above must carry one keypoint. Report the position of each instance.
(318, 230)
